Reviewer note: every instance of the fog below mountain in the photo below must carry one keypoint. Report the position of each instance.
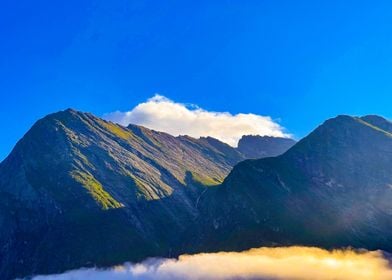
(260, 263)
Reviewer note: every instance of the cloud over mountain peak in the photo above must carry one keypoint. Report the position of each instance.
(162, 114)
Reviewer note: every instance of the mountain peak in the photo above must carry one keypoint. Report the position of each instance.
(70, 110)
(64, 115)
(332, 189)
(379, 122)
(339, 119)
(374, 118)
(343, 133)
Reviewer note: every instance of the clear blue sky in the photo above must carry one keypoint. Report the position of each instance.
(299, 61)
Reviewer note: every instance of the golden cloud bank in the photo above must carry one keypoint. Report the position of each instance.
(262, 263)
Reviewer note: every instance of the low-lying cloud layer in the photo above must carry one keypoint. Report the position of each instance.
(162, 114)
(263, 263)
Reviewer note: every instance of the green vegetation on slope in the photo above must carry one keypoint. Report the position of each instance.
(117, 130)
(205, 180)
(96, 190)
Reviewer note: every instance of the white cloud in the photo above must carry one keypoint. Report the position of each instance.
(162, 114)
(263, 263)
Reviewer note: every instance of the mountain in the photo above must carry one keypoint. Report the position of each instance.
(256, 147)
(331, 189)
(78, 190)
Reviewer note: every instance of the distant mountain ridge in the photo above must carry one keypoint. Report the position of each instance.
(255, 146)
(78, 190)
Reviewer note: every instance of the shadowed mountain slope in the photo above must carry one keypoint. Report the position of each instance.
(332, 189)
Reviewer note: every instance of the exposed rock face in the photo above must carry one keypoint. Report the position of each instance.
(79, 191)
(256, 147)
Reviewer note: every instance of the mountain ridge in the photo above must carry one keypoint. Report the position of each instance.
(73, 172)
(255, 146)
(80, 191)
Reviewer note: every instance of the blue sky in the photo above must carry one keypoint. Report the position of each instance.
(297, 61)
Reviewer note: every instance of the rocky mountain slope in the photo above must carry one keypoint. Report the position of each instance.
(78, 190)
(332, 189)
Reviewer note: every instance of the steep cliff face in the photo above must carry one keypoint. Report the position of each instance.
(331, 189)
